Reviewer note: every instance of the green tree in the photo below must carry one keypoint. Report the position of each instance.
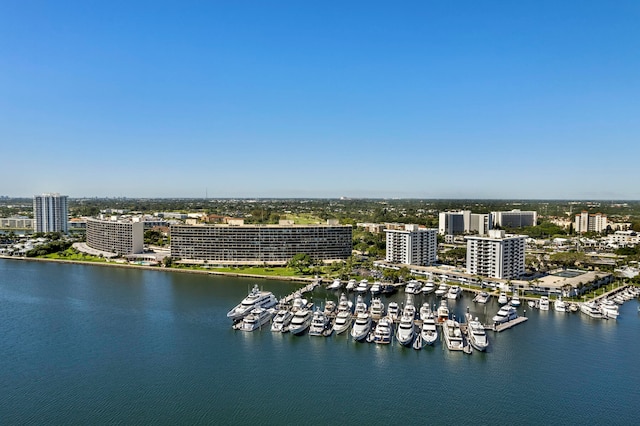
(300, 263)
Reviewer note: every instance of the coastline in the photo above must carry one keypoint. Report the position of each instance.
(162, 269)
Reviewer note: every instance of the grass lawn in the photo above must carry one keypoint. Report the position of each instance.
(71, 254)
(304, 219)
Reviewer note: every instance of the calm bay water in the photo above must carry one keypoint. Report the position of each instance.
(88, 344)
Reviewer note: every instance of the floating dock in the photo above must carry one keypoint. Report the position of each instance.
(507, 325)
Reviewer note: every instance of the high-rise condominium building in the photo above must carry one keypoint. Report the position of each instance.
(586, 222)
(464, 222)
(412, 245)
(50, 212)
(499, 255)
(120, 237)
(514, 218)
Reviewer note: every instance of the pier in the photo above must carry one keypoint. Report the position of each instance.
(306, 289)
(507, 325)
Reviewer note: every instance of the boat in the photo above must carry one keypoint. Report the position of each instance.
(591, 309)
(442, 289)
(383, 331)
(443, 311)
(505, 314)
(515, 299)
(609, 309)
(376, 288)
(281, 321)
(406, 331)
(256, 319)
(298, 303)
(454, 292)
(377, 309)
(418, 342)
(362, 287)
(531, 304)
(560, 305)
(255, 299)
(574, 307)
(335, 285)
(344, 304)
(503, 299)
(429, 331)
(330, 307)
(452, 335)
(428, 287)
(301, 321)
(482, 297)
(388, 289)
(477, 335)
(393, 311)
(413, 287)
(425, 310)
(319, 324)
(343, 322)
(361, 326)
(351, 285)
(544, 303)
(360, 305)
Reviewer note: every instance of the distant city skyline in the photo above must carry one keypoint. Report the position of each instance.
(492, 100)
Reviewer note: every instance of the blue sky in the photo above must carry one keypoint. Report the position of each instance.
(428, 99)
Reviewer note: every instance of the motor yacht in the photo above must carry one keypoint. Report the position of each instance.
(330, 307)
(377, 309)
(301, 321)
(319, 323)
(393, 311)
(363, 286)
(482, 297)
(506, 313)
(361, 326)
(360, 305)
(443, 311)
(477, 335)
(609, 309)
(256, 319)
(591, 309)
(442, 289)
(428, 287)
(343, 322)
(298, 303)
(388, 288)
(335, 285)
(406, 330)
(376, 288)
(544, 303)
(429, 330)
(413, 287)
(531, 304)
(383, 331)
(344, 304)
(560, 305)
(281, 321)
(425, 310)
(255, 299)
(503, 299)
(452, 335)
(351, 285)
(454, 292)
(515, 299)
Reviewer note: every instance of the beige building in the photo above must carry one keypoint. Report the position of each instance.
(499, 255)
(412, 245)
(586, 222)
(115, 236)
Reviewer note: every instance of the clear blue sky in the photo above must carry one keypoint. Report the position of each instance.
(433, 99)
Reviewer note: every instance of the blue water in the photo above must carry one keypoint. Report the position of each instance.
(89, 344)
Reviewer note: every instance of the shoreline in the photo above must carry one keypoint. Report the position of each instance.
(162, 269)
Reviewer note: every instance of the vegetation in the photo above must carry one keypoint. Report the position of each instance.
(73, 254)
(52, 247)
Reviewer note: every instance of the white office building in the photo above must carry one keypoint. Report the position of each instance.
(120, 237)
(412, 245)
(498, 255)
(50, 213)
(514, 219)
(464, 222)
(586, 222)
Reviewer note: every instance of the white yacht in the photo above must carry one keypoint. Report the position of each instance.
(343, 322)
(330, 307)
(425, 310)
(429, 330)
(335, 285)
(361, 326)
(544, 303)
(351, 285)
(609, 309)
(319, 323)
(281, 321)
(502, 299)
(383, 331)
(428, 287)
(442, 289)
(454, 292)
(377, 309)
(591, 309)
(393, 311)
(298, 303)
(443, 311)
(515, 299)
(406, 330)
(360, 305)
(255, 299)
(560, 305)
(482, 297)
(452, 335)
(344, 304)
(506, 313)
(301, 321)
(256, 319)
(477, 335)
(376, 288)
(363, 286)
(413, 287)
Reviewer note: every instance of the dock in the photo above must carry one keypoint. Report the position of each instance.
(507, 325)
(309, 287)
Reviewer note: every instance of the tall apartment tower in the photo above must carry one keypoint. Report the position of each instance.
(463, 222)
(514, 218)
(586, 222)
(50, 213)
(412, 245)
(497, 256)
